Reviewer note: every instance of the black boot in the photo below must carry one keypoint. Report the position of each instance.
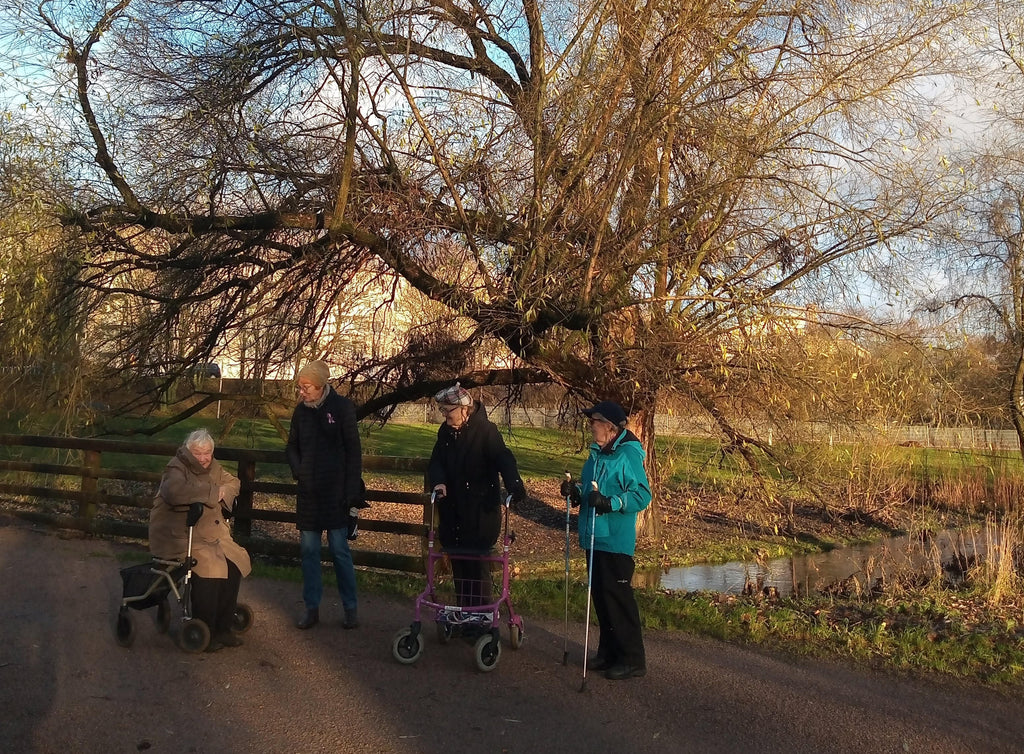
(228, 639)
(351, 619)
(621, 671)
(310, 619)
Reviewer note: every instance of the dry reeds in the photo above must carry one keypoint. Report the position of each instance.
(1002, 578)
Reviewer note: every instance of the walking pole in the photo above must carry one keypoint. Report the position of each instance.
(590, 582)
(565, 643)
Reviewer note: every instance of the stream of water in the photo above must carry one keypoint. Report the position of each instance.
(858, 567)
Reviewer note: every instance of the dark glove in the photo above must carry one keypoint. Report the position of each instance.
(195, 512)
(360, 502)
(571, 491)
(600, 503)
(353, 526)
(518, 493)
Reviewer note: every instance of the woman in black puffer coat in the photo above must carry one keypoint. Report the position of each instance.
(465, 465)
(326, 460)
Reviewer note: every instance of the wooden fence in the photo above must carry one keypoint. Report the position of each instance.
(90, 497)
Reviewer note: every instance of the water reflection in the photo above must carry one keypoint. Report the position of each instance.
(855, 568)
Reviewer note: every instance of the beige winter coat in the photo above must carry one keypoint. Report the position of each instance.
(184, 482)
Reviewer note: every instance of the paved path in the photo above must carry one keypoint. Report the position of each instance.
(66, 687)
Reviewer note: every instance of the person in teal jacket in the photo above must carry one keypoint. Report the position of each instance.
(612, 490)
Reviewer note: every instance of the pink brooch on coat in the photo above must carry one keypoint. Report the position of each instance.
(330, 418)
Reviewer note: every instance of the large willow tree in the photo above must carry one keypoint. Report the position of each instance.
(625, 194)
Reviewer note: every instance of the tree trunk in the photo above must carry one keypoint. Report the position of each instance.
(648, 523)
(1017, 399)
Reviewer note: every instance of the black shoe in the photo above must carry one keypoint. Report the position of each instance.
(310, 619)
(599, 662)
(214, 646)
(351, 619)
(622, 671)
(229, 639)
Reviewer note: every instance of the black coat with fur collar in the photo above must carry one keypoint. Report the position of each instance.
(468, 462)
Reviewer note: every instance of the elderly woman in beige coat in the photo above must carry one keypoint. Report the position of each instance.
(194, 476)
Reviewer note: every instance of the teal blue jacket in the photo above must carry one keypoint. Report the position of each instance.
(619, 472)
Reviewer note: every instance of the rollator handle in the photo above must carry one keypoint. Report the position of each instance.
(195, 512)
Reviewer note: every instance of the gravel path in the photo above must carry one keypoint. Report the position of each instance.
(66, 687)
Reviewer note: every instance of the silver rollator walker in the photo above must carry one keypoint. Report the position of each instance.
(480, 624)
(150, 584)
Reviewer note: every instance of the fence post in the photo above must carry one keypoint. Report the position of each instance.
(90, 486)
(427, 515)
(243, 505)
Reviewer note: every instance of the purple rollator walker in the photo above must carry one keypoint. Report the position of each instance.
(481, 623)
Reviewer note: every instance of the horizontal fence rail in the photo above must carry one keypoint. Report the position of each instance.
(89, 496)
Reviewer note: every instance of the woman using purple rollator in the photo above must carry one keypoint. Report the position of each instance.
(467, 459)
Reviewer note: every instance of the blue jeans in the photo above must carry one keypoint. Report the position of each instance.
(312, 583)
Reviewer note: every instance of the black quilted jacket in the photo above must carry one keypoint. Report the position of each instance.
(326, 459)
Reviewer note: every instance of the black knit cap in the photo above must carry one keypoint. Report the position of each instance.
(609, 411)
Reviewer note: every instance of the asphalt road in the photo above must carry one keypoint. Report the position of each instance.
(66, 687)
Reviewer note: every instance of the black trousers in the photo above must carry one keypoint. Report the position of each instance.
(617, 612)
(472, 581)
(214, 600)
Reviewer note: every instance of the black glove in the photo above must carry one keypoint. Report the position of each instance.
(600, 503)
(518, 493)
(571, 491)
(195, 512)
(353, 526)
(360, 502)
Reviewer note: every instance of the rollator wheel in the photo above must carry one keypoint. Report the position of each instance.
(445, 631)
(515, 636)
(124, 630)
(163, 616)
(241, 621)
(407, 648)
(194, 636)
(487, 652)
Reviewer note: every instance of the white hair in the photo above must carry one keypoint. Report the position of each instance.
(199, 438)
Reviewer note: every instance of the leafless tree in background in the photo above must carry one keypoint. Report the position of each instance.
(626, 195)
(983, 242)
